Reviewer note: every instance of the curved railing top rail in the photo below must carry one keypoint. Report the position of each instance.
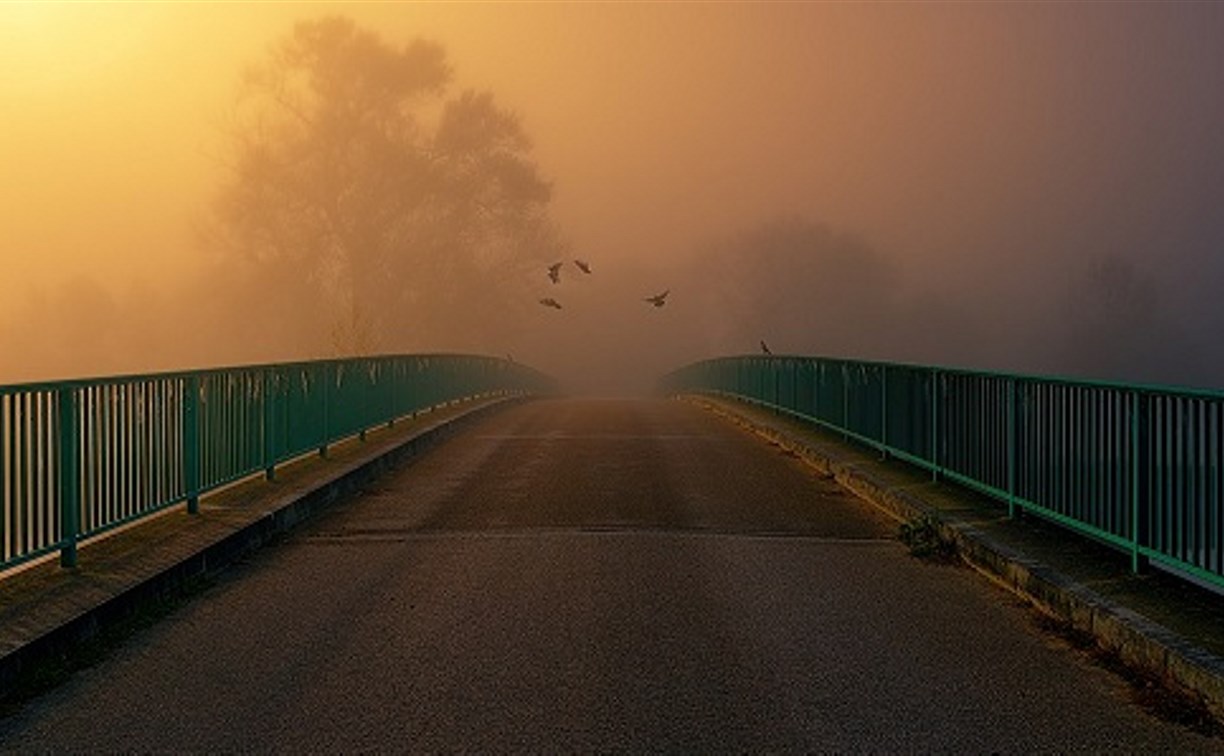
(1138, 467)
(1147, 388)
(82, 456)
(52, 384)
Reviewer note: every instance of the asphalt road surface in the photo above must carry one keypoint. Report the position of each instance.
(585, 575)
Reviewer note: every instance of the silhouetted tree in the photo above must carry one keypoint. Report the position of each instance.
(1114, 327)
(357, 186)
(1118, 328)
(800, 287)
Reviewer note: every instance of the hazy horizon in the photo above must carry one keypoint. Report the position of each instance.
(1022, 187)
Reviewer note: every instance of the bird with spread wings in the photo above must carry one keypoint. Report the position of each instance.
(658, 300)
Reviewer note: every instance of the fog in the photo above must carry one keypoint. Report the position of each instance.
(1024, 187)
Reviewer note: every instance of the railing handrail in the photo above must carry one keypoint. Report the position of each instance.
(1147, 388)
(81, 456)
(54, 383)
(1135, 466)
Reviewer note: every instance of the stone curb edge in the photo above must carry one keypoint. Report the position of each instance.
(1137, 641)
(284, 514)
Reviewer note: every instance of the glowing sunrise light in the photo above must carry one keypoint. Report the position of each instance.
(47, 46)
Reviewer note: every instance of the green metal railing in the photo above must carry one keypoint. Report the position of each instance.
(1140, 468)
(78, 458)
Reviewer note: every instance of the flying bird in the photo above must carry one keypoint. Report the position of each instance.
(658, 299)
(583, 266)
(765, 347)
(554, 272)
(550, 302)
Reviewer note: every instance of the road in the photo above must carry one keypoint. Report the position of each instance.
(595, 575)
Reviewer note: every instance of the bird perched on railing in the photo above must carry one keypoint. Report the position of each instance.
(658, 300)
(583, 266)
(550, 302)
(554, 272)
(765, 347)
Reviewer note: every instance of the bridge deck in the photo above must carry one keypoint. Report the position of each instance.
(44, 608)
(591, 576)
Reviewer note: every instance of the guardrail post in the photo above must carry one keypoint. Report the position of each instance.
(269, 424)
(817, 374)
(883, 412)
(363, 403)
(327, 384)
(393, 389)
(845, 423)
(934, 425)
(776, 374)
(1013, 444)
(1138, 561)
(69, 476)
(191, 442)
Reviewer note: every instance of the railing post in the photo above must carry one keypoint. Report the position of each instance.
(845, 423)
(793, 400)
(883, 412)
(1013, 444)
(817, 374)
(934, 424)
(269, 424)
(1138, 561)
(327, 384)
(191, 442)
(393, 389)
(776, 374)
(69, 476)
(363, 402)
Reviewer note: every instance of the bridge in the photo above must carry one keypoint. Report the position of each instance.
(581, 574)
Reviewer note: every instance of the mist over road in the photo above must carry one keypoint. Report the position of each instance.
(595, 575)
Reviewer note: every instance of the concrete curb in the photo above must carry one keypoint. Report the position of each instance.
(284, 514)
(1140, 643)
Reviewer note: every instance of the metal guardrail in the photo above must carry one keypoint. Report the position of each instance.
(1140, 468)
(78, 458)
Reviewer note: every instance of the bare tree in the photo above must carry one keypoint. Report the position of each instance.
(358, 187)
(1114, 326)
(799, 286)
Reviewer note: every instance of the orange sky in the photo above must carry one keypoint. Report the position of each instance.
(959, 139)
